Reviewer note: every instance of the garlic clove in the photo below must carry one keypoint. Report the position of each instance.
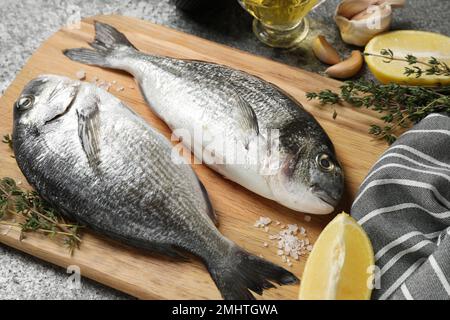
(359, 32)
(324, 51)
(373, 12)
(347, 68)
(349, 8)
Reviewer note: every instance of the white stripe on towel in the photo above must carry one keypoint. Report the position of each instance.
(422, 155)
(404, 182)
(401, 279)
(440, 274)
(402, 206)
(402, 239)
(446, 132)
(406, 292)
(403, 253)
(396, 165)
(435, 115)
(401, 156)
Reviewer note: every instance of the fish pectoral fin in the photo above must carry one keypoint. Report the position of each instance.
(246, 118)
(89, 131)
(291, 162)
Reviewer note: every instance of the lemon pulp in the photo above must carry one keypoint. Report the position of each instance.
(340, 266)
(420, 44)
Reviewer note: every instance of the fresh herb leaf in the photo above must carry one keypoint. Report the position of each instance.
(432, 67)
(325, 97)
(335, 114)
(33, 214)
(400, 106)
(8, 140)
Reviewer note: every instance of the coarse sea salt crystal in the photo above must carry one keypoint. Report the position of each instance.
(292, 228)
(262, 222)
(80, 74)
(307, 218)
(289, 245)
(104, 85)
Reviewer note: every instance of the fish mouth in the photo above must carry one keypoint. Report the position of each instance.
(324, 196)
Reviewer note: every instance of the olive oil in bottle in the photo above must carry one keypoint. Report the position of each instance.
(279, 14)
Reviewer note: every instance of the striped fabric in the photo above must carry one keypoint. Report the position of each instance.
(404, 206)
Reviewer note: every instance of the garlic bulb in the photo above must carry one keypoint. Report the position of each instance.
(360, 20)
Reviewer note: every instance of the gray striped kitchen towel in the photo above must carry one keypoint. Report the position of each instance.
(404, 206)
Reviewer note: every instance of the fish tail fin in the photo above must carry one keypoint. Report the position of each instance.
(107, 40)
(239, 272)
(88, 56)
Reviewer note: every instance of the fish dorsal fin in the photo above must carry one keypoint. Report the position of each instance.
(89, 130)
(246, 118)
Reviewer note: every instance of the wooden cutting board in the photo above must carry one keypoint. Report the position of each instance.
(153, 277)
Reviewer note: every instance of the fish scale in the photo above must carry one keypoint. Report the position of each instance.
(99, 163)
(211, 106)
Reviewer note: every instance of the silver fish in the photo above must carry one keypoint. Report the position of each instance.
(228, 107)
(97, 162)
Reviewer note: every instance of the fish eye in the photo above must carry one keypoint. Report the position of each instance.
(324, 162)
(24, 102)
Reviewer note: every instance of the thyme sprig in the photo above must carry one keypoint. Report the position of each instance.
(27, 211)
(400, 106)
(432, 67)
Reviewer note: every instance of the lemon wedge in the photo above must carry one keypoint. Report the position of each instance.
(340, 266)
(420, 44)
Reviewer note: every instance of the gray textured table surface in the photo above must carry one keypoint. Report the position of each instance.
(25, 24)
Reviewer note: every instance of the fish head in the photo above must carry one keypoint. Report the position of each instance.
(43, 99)
(310, 180)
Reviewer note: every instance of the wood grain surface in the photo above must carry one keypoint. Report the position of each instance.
(149, 276)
